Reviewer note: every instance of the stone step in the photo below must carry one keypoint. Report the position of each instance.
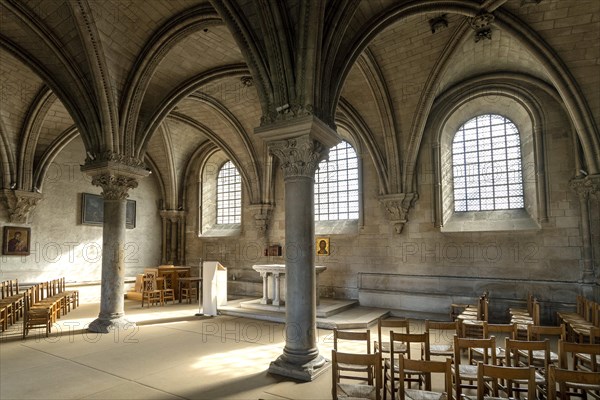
(331, 313)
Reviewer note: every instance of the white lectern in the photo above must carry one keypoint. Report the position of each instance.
(214, 282)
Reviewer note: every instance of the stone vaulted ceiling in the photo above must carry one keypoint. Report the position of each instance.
(160, 78)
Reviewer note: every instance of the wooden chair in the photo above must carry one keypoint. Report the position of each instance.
(382, 344)
(352, 343)
(572, 383)
(441, 337)
(522, 353)
(504, 330)
(579, 356)
(150, 292)
(522, 321)
(425, 368)
(465, 374)
(494, 379)
(189, 291)
(400, 345)
(167, 294)
(33, 317)
(538, 332)
(370, 390)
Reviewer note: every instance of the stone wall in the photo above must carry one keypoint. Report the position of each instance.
(61, 245)
(421, 271)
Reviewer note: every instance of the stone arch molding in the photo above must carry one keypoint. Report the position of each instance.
(555, 69)
(506, 94)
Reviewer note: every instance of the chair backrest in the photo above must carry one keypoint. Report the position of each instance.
(427, 367)
(538, 332)
(520, 353)
(564, 377)
(483, 307)
(571, 353)
(351, 340)
(442, 331)
(488, 347)
(148, 283)
(152, 272)
(472, 329)
(393, 324)
(407, 339)
(489, 378)
(371, 361)
(509, 330)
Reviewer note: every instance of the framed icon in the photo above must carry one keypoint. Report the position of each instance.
(322, 246)
(16, 241)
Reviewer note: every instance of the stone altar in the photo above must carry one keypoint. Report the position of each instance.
(271, 274)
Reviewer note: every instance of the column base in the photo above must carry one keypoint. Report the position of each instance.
(306, 372)
(107, 325)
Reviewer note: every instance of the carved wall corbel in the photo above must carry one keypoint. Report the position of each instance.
(397, 207)
(20, 203)
(262, 216)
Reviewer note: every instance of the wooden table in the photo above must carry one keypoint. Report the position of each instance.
(193, 279)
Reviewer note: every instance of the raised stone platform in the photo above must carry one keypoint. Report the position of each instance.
(331, 313)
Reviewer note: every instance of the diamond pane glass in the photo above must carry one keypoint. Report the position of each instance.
(486, 156)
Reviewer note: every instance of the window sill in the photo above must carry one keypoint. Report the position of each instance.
(342, 227)
(227, 230)
(490, 221)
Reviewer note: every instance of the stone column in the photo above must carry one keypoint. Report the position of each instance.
(115, 180)
(299, 146)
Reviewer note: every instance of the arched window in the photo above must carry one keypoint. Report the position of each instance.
(229, 195)
(486, 165)
(336, 185)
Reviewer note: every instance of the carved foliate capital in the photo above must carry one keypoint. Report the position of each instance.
(586, 187)
(299, 156)
(481, 24)
(115, 174)
(20, 203)
(262, 216)
(114, 187)
(397, 207)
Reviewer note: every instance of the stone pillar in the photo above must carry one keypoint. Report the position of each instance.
(115, 180)
(300, 145)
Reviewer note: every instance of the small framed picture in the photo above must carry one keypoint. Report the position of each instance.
(92, 211)
(16, 241)
(322, 246)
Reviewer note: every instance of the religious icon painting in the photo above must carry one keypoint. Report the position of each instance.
(322, 246)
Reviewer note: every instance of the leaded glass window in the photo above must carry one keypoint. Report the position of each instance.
(336, 185)
(229, 195)
(486, 163)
